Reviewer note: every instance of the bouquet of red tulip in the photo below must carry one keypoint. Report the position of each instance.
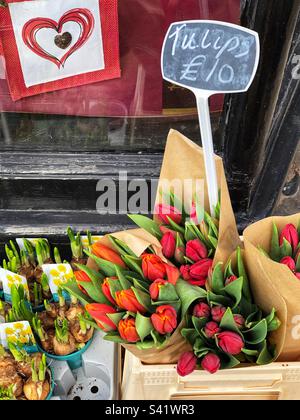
(138, 300)
(188, 241)
(285, 247)
(225, 327)
(272, 255)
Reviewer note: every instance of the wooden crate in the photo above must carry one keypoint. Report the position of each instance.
(278, 381)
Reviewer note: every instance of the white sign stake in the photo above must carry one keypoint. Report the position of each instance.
(210, 57)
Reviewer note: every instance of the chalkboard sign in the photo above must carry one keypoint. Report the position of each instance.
(210, 56)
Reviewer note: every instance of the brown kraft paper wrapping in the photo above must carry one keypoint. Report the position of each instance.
(183, 160)
(275, 285)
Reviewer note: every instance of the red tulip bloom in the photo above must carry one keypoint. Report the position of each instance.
(98, 312)
(186, 364)
(230, 280)
(155, 287)
(127, 300)
(165, 319)
(168, 243)
(165, 212)
(199, 272)
(239, 320)
(127, 330)
(230, 343)
(172, 274)
(81, 276)
(193, 214)
(196, 250)
(289, 262)
(107, 254)
(217, 313)
(211, 363)
(153, 267)
(165, 230)
(211, 329)
(290, 233)
(297, 275)
(201, 310)
(106, 289)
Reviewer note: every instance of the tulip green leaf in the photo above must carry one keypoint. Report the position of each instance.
(143, 298)
(190, 335)
(175, 226)
(94, 293)
(116, 318)
(139, 284)
(218, 280)
(228, 322)
(146, 223)
(189, 233)
(257, 334)
(106, 267)
(145, 345)
(168, 293)
(212, 225)
(72, 288)
(114, 337)
(121, 247)
(93, 324)
(134, 264)
(215, 299)
(213, 241)
(250, 353)
(247, 308)
(298, 264)
(254, 318)
(275, 247)
(199, 324)
(188, 294)
(159, 340)
(125, 283)
(218, 210)
(286, 249)
(228, 270)
(235, 290)
(143, 326)
(265, 357)
(228, 361)
(263, 251)
(200, 348)
(242, 273)
(92, 274)
(114, 287)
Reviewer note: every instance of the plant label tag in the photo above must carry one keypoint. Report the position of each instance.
(58, 275)
(210, 57)
(8, 279)
(19, 334)
(33, 241)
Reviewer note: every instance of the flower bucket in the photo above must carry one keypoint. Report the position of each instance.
(74, 360)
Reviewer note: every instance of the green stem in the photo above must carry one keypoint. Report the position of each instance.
(62, 301)
(61, 330)
(45, 283)
(30, 251)
(34, 374)
(39, 254)
(42, 369)
(47, 306)
(83, 324)
(37, 326)
(57, 257)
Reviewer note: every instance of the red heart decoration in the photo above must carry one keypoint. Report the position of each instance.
(83, 17)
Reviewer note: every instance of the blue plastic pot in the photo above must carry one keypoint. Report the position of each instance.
(1, 294)
(52, 384)
(74, 360)
(41, 308)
